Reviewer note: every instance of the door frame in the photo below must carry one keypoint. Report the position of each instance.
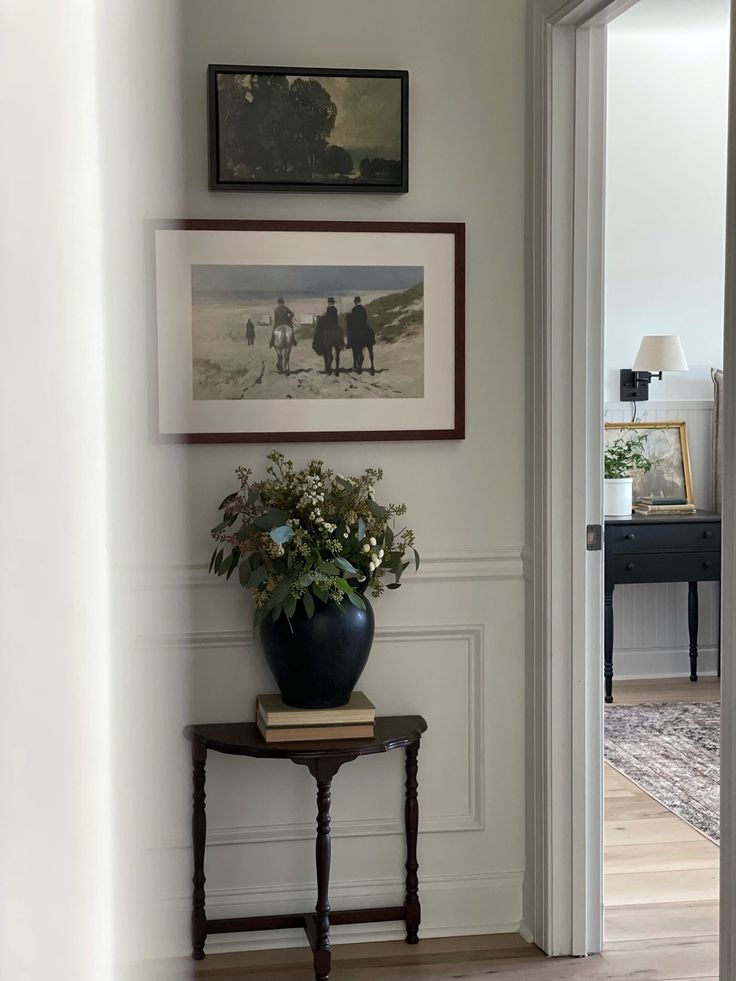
(563, 891)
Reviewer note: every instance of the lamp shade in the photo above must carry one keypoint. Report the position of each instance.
(660, 352)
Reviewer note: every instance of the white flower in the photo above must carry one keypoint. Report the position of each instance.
(372, 541)
(345, 534)
(366, 547)
(371, 566)
(374, 558)
(381, 554)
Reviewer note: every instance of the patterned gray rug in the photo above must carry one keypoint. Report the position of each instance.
(672, 751)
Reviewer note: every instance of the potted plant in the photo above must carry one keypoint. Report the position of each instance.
(622, 457)
(309, 544)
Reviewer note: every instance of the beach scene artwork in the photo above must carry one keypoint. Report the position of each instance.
(307, 332)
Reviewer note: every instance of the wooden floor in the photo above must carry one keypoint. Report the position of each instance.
(661, 907)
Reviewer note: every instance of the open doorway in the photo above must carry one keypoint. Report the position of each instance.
(665, 205)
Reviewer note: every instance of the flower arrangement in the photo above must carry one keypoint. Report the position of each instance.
(623, 456)
(309, 534)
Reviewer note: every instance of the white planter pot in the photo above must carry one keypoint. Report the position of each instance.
(617, 496)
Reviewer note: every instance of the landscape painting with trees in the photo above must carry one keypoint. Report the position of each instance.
(307, 129)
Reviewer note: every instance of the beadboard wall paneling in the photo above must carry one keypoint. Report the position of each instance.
(651, 636)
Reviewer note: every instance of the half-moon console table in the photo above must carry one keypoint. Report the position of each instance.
(323, 759)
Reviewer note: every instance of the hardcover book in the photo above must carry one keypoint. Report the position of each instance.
(272, 710)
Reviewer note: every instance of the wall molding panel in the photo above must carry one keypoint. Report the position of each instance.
(472, 635)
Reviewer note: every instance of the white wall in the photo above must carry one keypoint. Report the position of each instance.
(665, 241)
(666, 187)
(450, 643)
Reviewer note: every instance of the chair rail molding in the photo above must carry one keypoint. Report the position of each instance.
(452, 565)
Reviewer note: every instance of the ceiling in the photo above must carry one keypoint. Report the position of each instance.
(667, 15)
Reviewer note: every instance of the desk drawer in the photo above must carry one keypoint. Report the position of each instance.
(673, 567)
(666, 537)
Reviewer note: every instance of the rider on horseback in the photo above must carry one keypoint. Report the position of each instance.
(283, 316)
(327, 322)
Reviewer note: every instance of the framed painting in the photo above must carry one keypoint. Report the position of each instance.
(275, 331)
(308, 129)
(667, 448)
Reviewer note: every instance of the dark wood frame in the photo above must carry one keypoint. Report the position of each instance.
(456, 229)
(213, 134)
(323, 760)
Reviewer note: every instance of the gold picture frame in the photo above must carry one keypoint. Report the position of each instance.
(671, 473)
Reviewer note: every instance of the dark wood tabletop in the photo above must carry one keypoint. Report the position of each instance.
(244, 739)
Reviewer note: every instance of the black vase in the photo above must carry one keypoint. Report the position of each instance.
(317, 662)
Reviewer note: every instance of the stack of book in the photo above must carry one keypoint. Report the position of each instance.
(663, 505)
(280, 723)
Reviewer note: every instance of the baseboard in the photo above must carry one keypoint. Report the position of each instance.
(526, 933)
(452, 906)
(659, 662)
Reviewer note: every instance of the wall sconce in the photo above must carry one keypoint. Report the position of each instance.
(657, 353)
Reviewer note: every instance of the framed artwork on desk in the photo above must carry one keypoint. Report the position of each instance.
(667, 448)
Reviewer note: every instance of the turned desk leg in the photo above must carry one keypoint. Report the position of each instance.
(199, 833)
(322, 954)
(411, 823)
(692, 623)
(608, 642)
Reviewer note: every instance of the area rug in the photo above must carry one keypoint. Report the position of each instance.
(672, 751)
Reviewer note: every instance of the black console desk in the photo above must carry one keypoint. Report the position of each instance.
(671, 548)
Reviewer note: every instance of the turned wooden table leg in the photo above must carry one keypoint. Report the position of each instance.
(199, 833)
(608, 642)
(411, 824)
(322, 953)
(692, 623)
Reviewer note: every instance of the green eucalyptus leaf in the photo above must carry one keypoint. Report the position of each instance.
(388, 538)
(228, 500)
(416, 560)
(328, 568)
(290, 606)
(361, 529)
(258, 576)
(234, 559)
(281, 592)
(344, 564)
(308, 601)
(275, 613)
(218, 560)
(320, 593)
(272, 518)
(356, 600)
(212, 560)
(376, 510)
(393, 585)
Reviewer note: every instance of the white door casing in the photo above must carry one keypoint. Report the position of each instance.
(563, 889)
